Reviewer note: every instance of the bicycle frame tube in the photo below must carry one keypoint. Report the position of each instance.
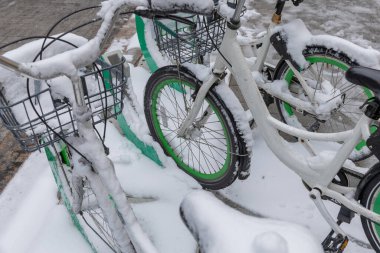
(314, 174)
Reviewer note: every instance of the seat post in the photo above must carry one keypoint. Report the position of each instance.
(239, 8)
(276, 18)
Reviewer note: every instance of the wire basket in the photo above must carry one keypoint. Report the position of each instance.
(104, 87)
(185, 38)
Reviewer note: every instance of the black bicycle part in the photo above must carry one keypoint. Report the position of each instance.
(279, 42)
(365, 77)
(334, 243)
(280, 6)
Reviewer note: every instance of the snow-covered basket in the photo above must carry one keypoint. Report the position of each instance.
(104, 88)
(188, 38)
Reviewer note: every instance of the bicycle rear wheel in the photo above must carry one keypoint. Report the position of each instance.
(212, 149)
(104, 233)
(330, 65)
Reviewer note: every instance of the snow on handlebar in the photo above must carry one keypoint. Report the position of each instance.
(69, 62)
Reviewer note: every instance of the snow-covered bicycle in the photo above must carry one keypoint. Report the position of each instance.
(199, 122)
(316, 98)
(69, 91)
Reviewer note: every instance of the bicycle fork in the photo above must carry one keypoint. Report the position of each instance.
(201, 95)
(100, 171)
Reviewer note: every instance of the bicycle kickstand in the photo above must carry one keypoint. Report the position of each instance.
(335, 243)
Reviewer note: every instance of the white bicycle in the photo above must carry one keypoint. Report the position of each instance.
(196, 121)
(315, 98)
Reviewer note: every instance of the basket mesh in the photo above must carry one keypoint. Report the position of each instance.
(189, 38)
(104, 96)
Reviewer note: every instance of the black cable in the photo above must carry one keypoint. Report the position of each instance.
(63, 34)
(76, 28)
(37, 37)
(40, 55)
(47, 125)
(213, 42)
(95, 20)
(62, 19)
(29, 95)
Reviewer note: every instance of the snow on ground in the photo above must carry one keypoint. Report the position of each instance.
(30, 210)
(32, 220)
(213, 223)
(274, 191)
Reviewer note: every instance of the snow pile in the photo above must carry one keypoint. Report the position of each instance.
(221, 229)
(299, 37)
(327, 97)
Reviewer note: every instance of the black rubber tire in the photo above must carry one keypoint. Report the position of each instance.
(320, 51)
(239, 159)
(371, 191)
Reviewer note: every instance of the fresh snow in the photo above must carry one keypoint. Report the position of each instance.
(222, 229)
(33, 220)
(298, 37)
(36, 216)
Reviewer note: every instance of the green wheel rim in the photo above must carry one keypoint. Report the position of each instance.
(316, 59)
(178, 86)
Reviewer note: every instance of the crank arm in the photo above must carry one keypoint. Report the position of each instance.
(352, 205)
(315, 195)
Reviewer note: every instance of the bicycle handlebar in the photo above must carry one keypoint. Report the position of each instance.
(67, 63)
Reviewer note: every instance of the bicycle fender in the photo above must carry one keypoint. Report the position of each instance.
(278, 41)
(232, 103)
(373, 171)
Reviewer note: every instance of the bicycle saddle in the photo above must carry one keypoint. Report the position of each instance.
(222, 229)
(366, 77)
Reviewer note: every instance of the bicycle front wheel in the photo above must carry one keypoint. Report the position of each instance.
(102, 229)
(371, 200)
(210, 149)
(328, 65)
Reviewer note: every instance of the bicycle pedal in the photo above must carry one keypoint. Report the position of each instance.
(334, 243)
